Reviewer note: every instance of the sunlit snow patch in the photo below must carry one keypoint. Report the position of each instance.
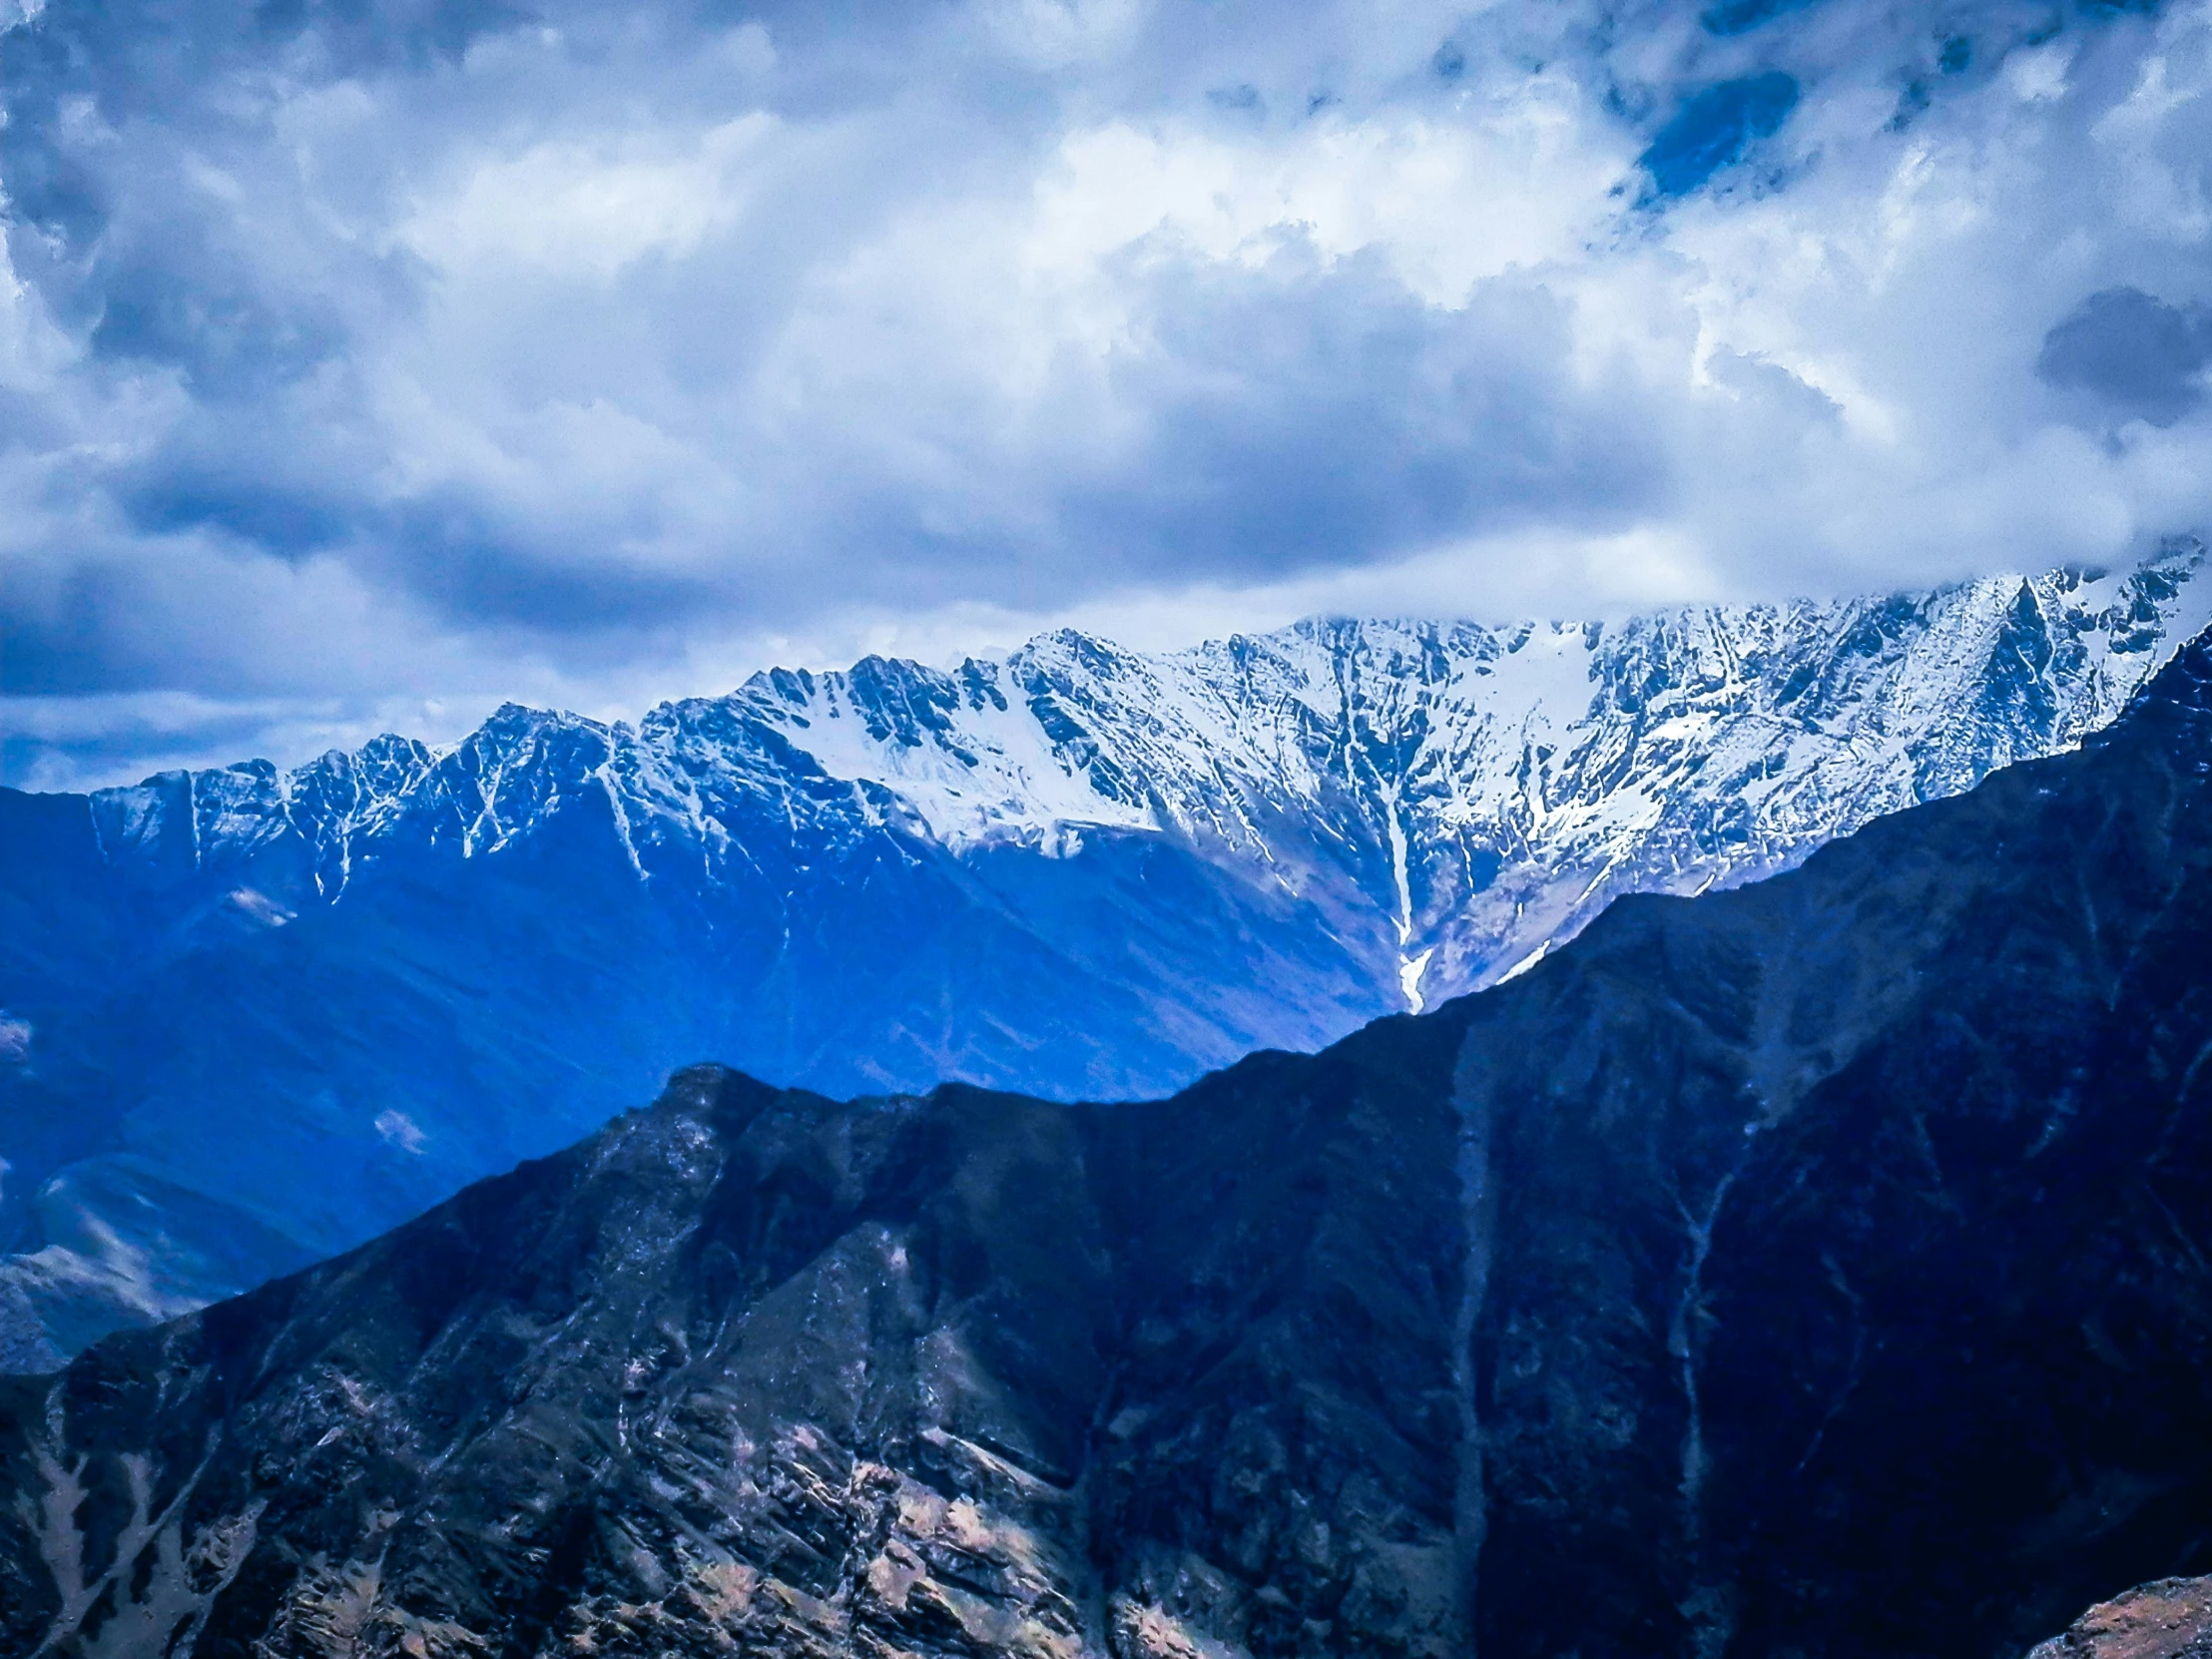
(1409, 970)
(400, 1129)
(260, 907)
(1525, 963)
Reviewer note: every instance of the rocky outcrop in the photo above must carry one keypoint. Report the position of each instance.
(2169, 1619)
(1822, 1268)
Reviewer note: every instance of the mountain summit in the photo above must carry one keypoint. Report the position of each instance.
(248, 1017)
(1820, 1268)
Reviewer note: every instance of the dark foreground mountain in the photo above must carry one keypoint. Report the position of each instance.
(1820, 1269)
(250, 1018)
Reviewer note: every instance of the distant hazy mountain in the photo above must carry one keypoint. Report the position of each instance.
(1817, 1269)
(250, 1017)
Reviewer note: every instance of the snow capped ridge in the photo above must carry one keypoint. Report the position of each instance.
(1446, 798)
(1486, 790)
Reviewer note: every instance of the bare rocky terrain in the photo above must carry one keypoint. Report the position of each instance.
(2170, 1619)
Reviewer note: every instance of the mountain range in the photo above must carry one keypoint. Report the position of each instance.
(1816, 1267)
(250, 1017)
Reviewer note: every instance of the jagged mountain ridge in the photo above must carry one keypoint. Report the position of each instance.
(1819, 1268)
(1487, 790)
(1434, 774)
(249, 1017)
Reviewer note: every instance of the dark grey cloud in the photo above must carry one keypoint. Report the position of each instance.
(2138, 357)
(1260, 423)
(1333, 417)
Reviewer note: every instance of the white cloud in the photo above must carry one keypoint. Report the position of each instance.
(587, 212)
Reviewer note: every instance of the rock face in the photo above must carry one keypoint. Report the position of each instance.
(1818, 1268)
(249, 1018)
(2172, 1619)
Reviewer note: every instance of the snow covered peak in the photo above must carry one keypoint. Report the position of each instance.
(1464, 795)
(1490, 789)
(1073, 730)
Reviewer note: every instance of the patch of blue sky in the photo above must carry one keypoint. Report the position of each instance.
(1736, 17)
(1712, 128)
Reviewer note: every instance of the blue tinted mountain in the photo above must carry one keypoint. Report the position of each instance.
(250, 1017)
(1820, 1268)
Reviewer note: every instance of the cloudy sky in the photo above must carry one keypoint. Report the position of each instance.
(365, 363)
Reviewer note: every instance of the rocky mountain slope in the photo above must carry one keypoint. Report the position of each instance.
(2172, 1619)
(1820, 1268)
(249, 1017)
